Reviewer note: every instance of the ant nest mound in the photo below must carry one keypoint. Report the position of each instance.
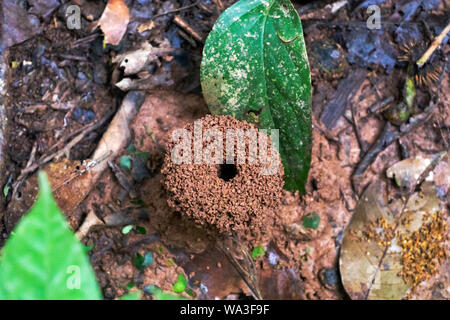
(239, 195)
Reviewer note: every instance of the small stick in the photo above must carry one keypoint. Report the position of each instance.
(362, 143)
(183, 24)
(249, 276)
(149, 24)
(175, 10)
(387, 137)
(436, 43)
(186, 37)
(45, 159)
(382, 105)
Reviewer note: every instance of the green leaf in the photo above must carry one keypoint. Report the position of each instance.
(258, 252)
(127, 229)
(135, 295)
(138, 202)
(141, 230)
(181, 284)
(141, 261)
(132, 150)
(6, 189)
(158, 294)
(138, 260)
(255, 68)
(125, 162)
(43, 259)
(311, 220)
(148, 259)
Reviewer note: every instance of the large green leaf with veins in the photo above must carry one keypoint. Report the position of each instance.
(43, 259)
(255, 67)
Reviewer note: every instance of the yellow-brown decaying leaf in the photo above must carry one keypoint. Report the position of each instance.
(406, 172)
(114, 21)
(370, 260)
(69, 186)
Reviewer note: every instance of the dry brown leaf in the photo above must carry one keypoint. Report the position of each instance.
(371, 252)
(114, 21)
(137, 60)
(407, 172)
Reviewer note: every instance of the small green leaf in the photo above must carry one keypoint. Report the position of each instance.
(181, 284)
(255, 68)
(141, 230)
(258, 252)
(410, 92)
(138, 202)
(127, 229)
(125, 162)
(138, 260)
(311, 220)
(148, 259)
(161, 295)
(43, 259)
(191, 293)
(135, 295)
(141, 261)
(6, 189)
(132, 150)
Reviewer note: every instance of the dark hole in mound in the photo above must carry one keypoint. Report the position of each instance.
(227, 171)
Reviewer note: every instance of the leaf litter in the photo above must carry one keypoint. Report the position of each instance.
(299, 262)
(392, 245)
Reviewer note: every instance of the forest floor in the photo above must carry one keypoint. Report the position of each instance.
(60, 96)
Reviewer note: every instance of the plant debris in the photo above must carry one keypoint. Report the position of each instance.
(423, 251)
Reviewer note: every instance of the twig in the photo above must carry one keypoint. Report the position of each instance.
(345, 91)
(362, 143)
(175, 10)
(183, 24)
(382, 105)
(249, 276)
(80, 41)
(45, 159)
(219, 5)
(149, 24)
(32, 155)
(89, 165)
(434, 45)
(388, 136)
(72, 57)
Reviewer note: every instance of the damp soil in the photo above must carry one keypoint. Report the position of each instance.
(60, 81)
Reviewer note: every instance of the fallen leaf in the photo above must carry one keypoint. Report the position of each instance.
(146, 26)
(114, 21)
(73, 180)
(371, 252)
(17, 25)
(43, 8)
(408, 171)
(152, 82)
(213, 273)
(135, 61)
